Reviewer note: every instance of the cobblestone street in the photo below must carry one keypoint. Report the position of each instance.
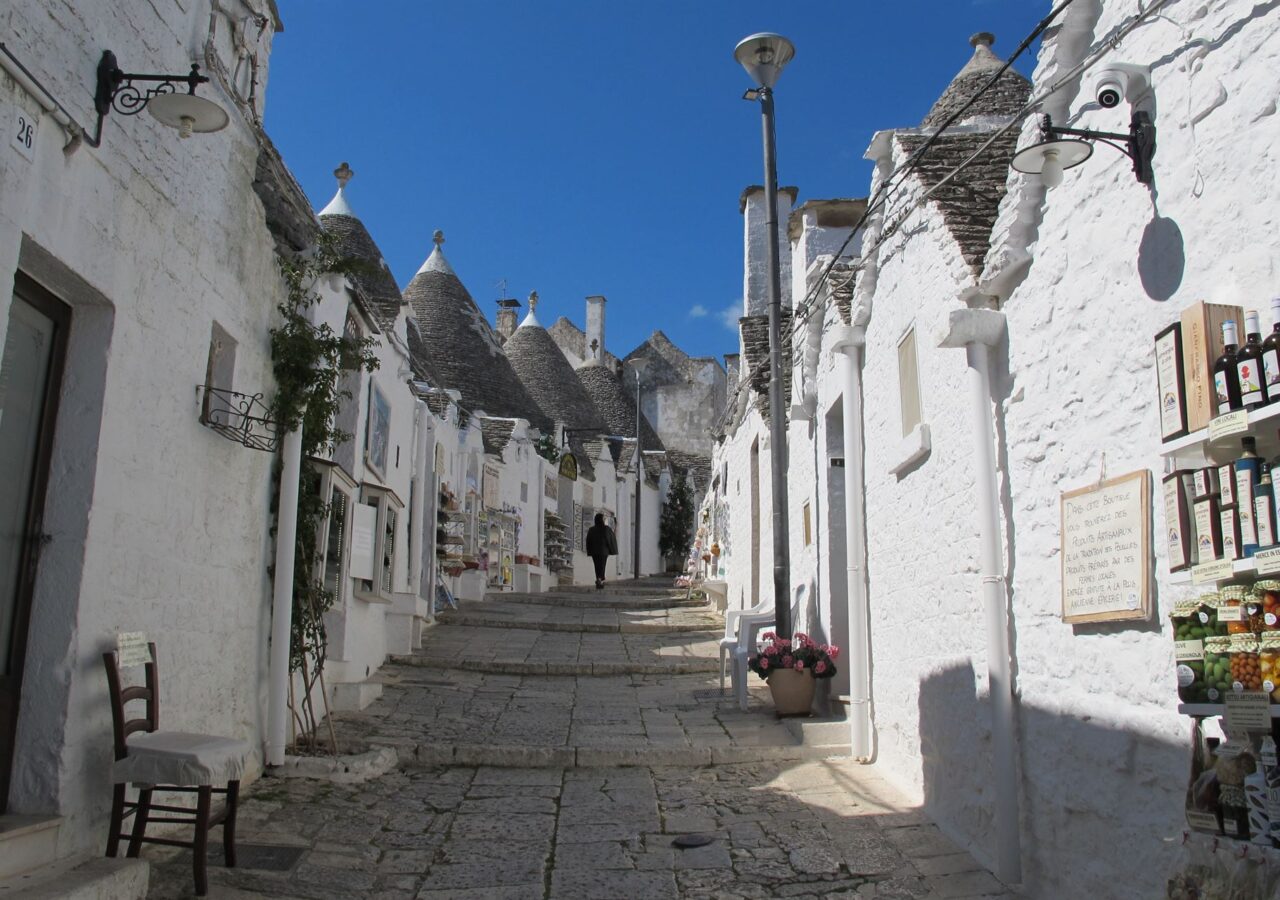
(555, 747)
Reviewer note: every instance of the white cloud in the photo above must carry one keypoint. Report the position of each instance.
(698, 311)
(730, 314)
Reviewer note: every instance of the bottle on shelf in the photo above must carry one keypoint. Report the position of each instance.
(1247, 471)
(1226, 382)
(1249, 365)
(1264, 510)
(1271, 354)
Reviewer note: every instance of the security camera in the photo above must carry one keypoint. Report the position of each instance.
(1121, 81)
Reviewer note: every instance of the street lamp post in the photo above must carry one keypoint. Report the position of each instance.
(763, 56)
(638, 365)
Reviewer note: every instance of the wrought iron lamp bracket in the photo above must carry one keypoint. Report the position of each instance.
(241, 418)
(117, 89)
(1139, 144)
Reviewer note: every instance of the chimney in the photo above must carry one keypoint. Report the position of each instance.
(506, 324)
(755, 279)
(594, 351)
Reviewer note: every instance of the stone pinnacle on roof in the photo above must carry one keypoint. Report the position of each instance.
(532, 319)
(436, 261)
(1003, 99)
(338, 205)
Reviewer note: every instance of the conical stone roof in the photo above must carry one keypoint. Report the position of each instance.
(1005, 98)
(463, 347)
(548, 376)
(374, 280)
(616, 405)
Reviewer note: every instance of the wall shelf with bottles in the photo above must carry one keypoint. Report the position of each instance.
(1220, 441)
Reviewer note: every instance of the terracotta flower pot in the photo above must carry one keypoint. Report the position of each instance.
(792, 691)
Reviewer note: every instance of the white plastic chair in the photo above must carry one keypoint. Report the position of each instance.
(737, 623)
(748, 636)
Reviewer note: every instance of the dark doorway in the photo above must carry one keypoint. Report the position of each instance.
(30, 377)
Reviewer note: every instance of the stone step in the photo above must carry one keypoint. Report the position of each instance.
(86, 878)
(486, 620)
(426, 755)
(819, 731)
(602, 600)
(27, 842)
(532, 667)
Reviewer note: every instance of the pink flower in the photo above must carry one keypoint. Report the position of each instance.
(769, 636)
(819, 668)
(833, 651)
(787, 661)
(799, 665)
(770, 650)
(802, 639)
(764, 662)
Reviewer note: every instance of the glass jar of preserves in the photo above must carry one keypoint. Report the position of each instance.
(1217, 668)
(1246, 674)
(1231, 610)
(1207, 613)
(1267, 593)
(1269, 664)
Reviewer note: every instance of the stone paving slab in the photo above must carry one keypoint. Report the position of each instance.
(496, 612)
(595, 833)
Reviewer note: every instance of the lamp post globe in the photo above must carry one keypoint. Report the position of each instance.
(764, 56)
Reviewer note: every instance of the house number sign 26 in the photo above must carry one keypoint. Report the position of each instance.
(24, 133)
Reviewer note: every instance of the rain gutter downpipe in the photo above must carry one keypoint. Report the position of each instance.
(978, 330)
(848, 340)
(422, 496)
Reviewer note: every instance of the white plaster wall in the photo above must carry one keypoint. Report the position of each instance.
(755, 281)
(170, 536)
(1104, 754)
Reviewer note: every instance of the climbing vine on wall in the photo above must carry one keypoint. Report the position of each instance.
(546, 448)
(309, 360)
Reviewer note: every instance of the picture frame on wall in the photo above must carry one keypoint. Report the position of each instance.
(378, 433)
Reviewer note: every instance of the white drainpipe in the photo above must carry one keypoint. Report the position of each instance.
(282, 598)
(847, 340)
(977, 330)
(422, 498)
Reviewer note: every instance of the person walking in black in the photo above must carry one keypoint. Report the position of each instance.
(601, 544)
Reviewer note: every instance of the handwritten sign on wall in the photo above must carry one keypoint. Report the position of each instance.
(1106, 550)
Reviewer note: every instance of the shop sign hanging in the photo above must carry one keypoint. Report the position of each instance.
(569, 467)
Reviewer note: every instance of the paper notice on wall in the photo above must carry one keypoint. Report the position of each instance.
(364, 526)
(132, 649)
(1106, 549)
(1248, 711)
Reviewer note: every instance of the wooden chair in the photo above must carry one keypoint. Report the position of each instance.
(170, 761)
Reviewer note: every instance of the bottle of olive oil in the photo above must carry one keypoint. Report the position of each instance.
(1271, 355)
(1226, 383)
(1247, 476)
(1264, 510)
(1253, 384)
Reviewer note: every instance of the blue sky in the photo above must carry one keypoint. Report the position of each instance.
(600, 147)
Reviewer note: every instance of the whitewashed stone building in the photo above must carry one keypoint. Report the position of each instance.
(1056, 294)
(139, 270)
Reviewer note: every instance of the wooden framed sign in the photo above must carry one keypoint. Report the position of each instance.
(1106, 550)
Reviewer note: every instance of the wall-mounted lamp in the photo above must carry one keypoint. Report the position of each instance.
(1060, 149)
(186, 112)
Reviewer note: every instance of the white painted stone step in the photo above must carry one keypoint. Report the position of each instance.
(27, 842)
(85, 878)
(818, 731)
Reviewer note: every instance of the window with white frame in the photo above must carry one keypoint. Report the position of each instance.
(335, 530)
(375, 543)
(909, 382)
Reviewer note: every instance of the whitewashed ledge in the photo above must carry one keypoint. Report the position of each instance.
(352, 769)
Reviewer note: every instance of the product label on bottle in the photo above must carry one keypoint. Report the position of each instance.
(1262, 519)
(1202, 821)
(1220, 392)
(1173, 523)
(1229, 530)
(1244, 504)
(1271, 367)
(1186, 677)
(1250, 382)
(1227, 483)
(1188, 651)
(1206, 543)
(1230, 614)
(1172, 415)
